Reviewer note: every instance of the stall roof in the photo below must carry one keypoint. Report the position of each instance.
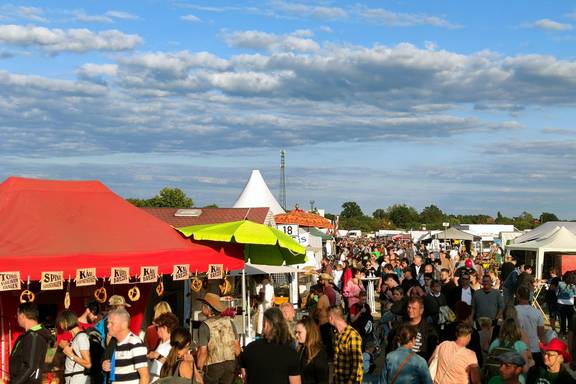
(198, 216)
(54, 225)
(455, 234)
(558, 239)
(543, 229)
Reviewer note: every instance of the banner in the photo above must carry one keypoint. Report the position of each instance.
(9, 281)
(85, 277)
(120, 275)
(51, 281)
(215, 271)
(148, 274)
(181, 272)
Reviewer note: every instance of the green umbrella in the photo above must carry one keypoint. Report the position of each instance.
(263, 244)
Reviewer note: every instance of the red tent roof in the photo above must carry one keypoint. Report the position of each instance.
(209, 215)
(302, 218)
(50, 225)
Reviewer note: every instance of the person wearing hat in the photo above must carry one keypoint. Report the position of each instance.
(555, 354)
(326, 281)
(510, 371)
(218, 342)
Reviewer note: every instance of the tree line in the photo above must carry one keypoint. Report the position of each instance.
(397, 216)
(402, 216)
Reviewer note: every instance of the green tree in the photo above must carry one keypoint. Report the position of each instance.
(166, 198)
(432, 216)
(500, 219)
(547, 216)
(351, 209)
(524, 221)
(403, 216)
(379, 214)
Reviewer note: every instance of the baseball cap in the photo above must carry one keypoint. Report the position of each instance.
(511, 358)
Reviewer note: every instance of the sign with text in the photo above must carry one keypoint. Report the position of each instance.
(85, 277)
(9, 281)
(50, 281)
(181, 272)
(120, 275)
(289, 229)
(215, 271)
(148, 274)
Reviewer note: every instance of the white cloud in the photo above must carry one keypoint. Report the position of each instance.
(552, 25)
(94, 70)
(305, 10)
(12, 12)
(32, 13)
(396, 19)
(83, 17)
(121, 15)
(70, 40)
(108, 17)
(258, 40)
(191, 18)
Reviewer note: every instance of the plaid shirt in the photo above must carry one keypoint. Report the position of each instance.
(348, 357)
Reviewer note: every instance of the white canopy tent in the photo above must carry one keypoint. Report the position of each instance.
(543, 229)
(257, 194)
(557, 239)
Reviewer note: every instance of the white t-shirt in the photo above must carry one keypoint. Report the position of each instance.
(530, 319)
(79, 343)
(155, 365)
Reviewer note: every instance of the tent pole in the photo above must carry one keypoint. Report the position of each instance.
(248, 310)
(244, 302)
(3, 348)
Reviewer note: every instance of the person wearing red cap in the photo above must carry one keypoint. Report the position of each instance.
(555, 355)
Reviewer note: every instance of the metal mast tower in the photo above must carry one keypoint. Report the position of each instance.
(282, 193)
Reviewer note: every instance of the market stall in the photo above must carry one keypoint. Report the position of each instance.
(63, 241)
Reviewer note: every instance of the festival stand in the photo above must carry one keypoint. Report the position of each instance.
(63, 240)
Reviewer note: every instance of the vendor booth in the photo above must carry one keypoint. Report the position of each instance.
(66, 241)
(554, 248)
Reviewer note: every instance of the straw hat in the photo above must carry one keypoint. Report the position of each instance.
(213, 301)
(118, 300)
(325, 276)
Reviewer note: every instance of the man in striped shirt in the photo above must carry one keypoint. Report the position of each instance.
(131, 364)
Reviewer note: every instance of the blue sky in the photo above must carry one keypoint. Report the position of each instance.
(466, 105)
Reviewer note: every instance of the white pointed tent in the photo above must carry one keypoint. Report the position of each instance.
(543, 229)
(256, 194)
(558, 239)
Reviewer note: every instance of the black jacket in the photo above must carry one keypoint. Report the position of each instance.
(27, 357)
(316, 371)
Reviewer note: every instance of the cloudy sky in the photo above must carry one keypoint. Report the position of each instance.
(466, 105)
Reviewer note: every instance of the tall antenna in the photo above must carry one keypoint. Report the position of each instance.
(282, 195)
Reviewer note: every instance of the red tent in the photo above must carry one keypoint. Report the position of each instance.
(52, 226)
(49, 225)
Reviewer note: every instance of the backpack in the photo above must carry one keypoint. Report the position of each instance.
(492, 364)
(96, 356)
(511, 280)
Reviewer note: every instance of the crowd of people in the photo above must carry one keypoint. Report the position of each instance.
(446, 316)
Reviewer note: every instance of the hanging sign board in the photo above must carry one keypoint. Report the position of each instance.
(9, 281)
(289, 229)
(215, 271)
(120, 275)
(148, 274)
(85, 277)
(50, 281)
(181, 272)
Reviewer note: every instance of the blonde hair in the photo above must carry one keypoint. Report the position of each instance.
(161, 308)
